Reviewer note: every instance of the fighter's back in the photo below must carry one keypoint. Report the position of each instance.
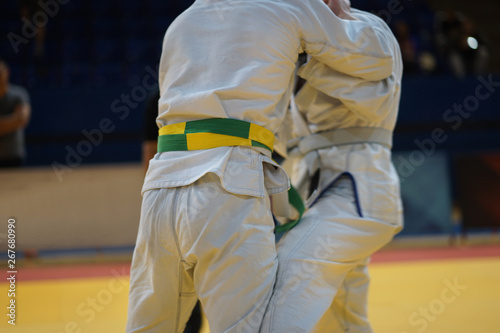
(233, 59)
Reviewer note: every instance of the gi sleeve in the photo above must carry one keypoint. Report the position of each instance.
(354, 47)
(370, 100)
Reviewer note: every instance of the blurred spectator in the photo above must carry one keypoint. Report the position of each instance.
(473, 51)
(460, 44)
(409, 47)
(28, 9)
(417, 59)
(449, 25)
(15, 113)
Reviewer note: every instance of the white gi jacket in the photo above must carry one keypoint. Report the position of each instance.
(248, 76)
(332, 100)
(322, 280)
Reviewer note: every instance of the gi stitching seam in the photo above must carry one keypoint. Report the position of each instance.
(179, 298)
(181, 260)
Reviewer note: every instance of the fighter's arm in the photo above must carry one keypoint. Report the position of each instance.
(350, 46)
(369, 99)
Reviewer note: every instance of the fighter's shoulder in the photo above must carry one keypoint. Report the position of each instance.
(368, 17)
(377, 23)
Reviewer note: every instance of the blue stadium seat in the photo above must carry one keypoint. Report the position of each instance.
(131, 26)
(75, 50)
(75, 9)
(108, 73)
(10, 6)
(75, 28)
(13, 24)
(135, 7)
(136, 49)
(105, 50)
(105, 28)
(157, 7)
(76, 73)
(103, 8)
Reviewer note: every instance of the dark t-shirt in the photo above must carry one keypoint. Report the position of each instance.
(12, 144)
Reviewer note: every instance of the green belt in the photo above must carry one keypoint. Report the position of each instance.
(222, 132)
(295, 201)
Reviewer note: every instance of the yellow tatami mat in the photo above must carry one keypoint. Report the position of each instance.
(442, 296)
(457, 295)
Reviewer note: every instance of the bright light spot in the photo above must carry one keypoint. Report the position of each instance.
(473, 43)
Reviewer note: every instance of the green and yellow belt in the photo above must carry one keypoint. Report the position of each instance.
(213, 133)
(220, 132)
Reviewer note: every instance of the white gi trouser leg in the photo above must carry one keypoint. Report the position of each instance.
(315, 258)
(349, 310)
(201, 241)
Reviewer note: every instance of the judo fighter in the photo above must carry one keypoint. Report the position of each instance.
(340, 161)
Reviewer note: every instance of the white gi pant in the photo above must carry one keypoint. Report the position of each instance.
(201, 241)
(322, 280)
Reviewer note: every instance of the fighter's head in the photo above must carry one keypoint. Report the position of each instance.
(341, 8)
